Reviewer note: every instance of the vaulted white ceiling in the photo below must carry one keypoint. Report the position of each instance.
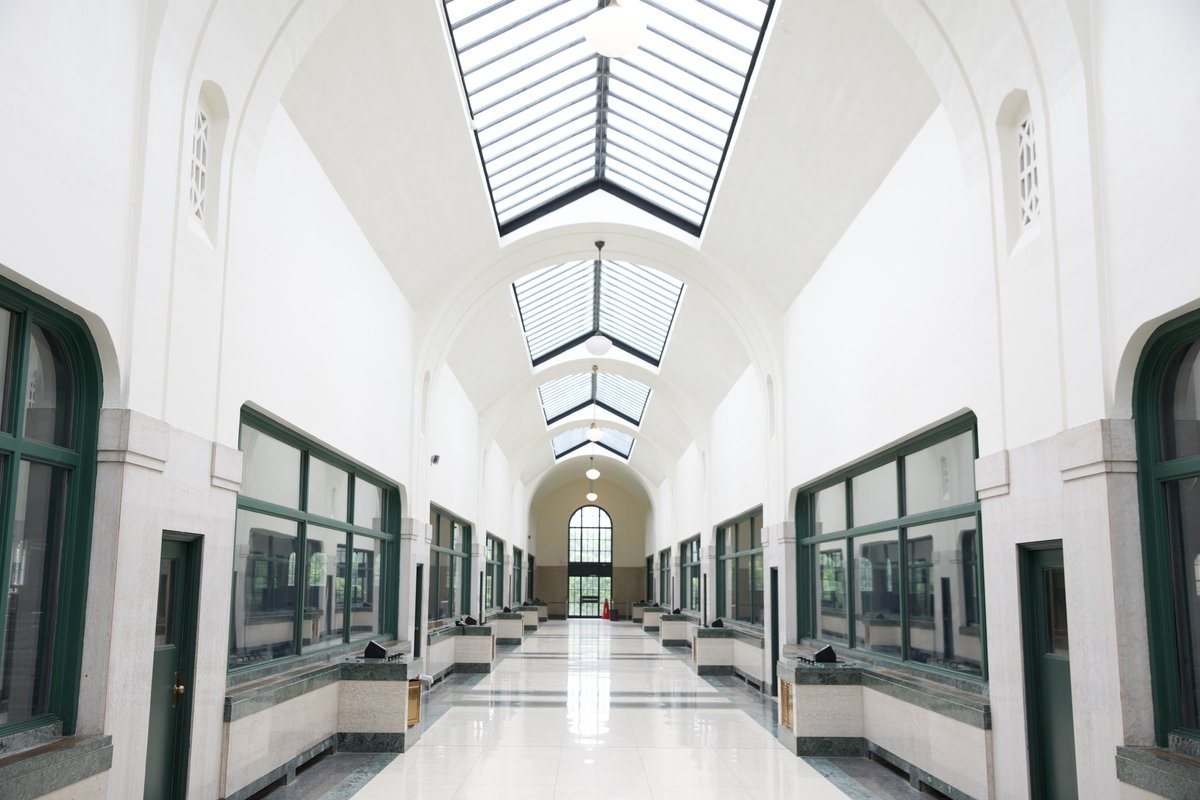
(835, 98)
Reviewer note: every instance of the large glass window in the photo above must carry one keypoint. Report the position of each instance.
(892, 555)
(1167, 415)
(493, 574)
(450, 566)
(589, 561)
(49, 408)
(740, 569)
(312, 543)
(518, 584)
(664, 577)
(689, 575)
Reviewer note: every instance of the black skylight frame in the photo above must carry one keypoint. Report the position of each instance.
(656, 100)
(614, 441)
(564, 305)
(621, 396)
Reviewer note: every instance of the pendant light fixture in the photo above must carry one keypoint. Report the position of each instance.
(615, 30)
(594, 434)
(592, 473)
(598, 344)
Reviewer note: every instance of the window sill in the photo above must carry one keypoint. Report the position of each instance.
(54, 764)
(250, 673)
(1162, 772)
(962, 681)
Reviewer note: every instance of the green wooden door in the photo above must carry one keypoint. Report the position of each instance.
(1048, 676)
(170, 689)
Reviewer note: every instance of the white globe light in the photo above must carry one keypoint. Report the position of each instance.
(591, 497)
(592, 474)
(594, 434)
(614, 31)
(598, 345)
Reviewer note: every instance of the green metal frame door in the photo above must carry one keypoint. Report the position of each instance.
(170, 686)
(1049, 712)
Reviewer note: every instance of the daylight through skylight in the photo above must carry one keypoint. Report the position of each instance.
(617, 394)
(614, 441)
(554, 120)
(563, 305)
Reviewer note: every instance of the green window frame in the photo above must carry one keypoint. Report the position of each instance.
(649, 579)
(299, 497)
(890, 555)
(1168, 449)
(450, 566)
(689, 575)
(49, 418)
(529, 590)
(518, 565)
(740, 568)
(664, 577)
(493, 574)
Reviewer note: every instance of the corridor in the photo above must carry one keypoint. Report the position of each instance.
(592, 709)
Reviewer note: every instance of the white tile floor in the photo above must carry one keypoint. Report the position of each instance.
(589, 709)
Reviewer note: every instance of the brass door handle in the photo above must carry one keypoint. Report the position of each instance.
(177, 692)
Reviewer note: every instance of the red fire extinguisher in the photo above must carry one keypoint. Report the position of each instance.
(605, 609)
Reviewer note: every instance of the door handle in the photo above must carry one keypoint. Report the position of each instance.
(177, 691)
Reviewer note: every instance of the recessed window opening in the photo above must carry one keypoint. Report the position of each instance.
(740, 569)
(314, 549)
(493, 574)
(689, 575)
(1167, 415)
(891, 555)
(49, 414)
(450, 566)
(1027, 178)
(198, 186)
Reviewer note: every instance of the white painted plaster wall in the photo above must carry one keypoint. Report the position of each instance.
(316, 332)
(891, 336)
(739, 449)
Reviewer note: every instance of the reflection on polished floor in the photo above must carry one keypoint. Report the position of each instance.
(593, 709)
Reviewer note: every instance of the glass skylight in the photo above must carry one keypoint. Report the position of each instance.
(617, 394)
(571, 440)
(554, 120)
(562, 306)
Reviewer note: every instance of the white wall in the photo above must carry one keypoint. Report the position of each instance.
(316, 331)
(454, 436)
(739, 450)
(891, 335)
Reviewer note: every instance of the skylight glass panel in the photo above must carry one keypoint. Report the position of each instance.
(637, 306)
(562, 306)
(556, 307)
(617, 442)
(614, 441)
(554, 120)
(624, 397)
(565, 396)
(568, 441)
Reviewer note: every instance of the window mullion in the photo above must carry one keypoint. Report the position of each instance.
(300, 575)
(902, 538)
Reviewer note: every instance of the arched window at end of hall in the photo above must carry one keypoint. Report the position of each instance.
(49, 414)
(1167, 416)
(589, 561)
